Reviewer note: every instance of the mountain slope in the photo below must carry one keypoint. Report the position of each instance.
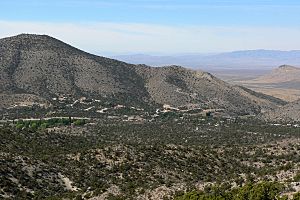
(46, 68)
(287, 113)
(178, 86)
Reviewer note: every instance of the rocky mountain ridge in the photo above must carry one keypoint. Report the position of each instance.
(42, 68)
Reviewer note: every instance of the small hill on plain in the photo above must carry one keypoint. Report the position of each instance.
(282, 74)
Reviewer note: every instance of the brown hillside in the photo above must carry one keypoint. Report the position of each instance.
(46, 68)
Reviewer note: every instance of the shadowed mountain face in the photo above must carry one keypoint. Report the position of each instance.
(39, 68)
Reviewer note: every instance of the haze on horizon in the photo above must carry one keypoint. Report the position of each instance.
(157, 26)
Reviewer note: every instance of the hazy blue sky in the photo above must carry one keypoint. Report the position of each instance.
(158, 26)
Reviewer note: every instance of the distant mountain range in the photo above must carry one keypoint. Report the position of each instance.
(250, 59)
(39, 68)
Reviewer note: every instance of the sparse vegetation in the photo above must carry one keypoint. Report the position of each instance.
(128, 159)
(150, 133)
(48, 123)
(259, 191)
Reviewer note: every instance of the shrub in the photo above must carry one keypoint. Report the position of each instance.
(79, 122)
(297, 177)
